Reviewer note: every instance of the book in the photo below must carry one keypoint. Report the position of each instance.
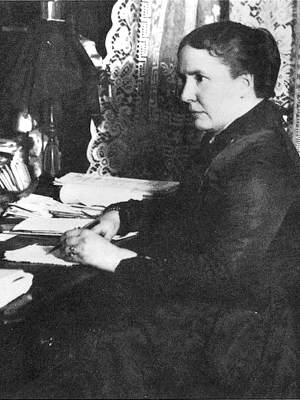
(92, 189)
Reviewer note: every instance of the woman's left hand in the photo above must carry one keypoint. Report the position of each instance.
(87, 247)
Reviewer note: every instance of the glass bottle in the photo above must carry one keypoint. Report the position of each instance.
(52, 154)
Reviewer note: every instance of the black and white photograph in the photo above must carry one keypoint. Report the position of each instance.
(150, 199)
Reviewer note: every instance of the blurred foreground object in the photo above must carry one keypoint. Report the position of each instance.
(16, 175)
(33, 138)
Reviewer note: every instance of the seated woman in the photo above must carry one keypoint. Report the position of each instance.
(203, 302)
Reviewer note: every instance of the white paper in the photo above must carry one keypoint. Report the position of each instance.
(13, 283)
(96, 195)
(6, 236)
(44, 206)
(36, 253)
(92, 189)
(51, 225)
(127, 236)
(114, 181)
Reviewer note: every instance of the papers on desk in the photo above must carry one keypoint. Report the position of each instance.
(56, 227)
(36, 253)
(13, 283)
(92, 189)
(48, 226)
(86, 196)
(45, 206)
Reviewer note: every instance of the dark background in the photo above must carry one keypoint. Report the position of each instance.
(92, 19)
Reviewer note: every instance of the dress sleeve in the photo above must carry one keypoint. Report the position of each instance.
(141, 215)
(252, 203)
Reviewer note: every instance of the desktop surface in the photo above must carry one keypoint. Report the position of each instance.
(37, 329)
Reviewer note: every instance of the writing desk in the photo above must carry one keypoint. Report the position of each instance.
(36, 330)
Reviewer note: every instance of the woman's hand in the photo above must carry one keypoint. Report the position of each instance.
(109, 225)
(87, 247)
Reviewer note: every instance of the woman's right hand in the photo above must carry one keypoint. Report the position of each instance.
(109, 225)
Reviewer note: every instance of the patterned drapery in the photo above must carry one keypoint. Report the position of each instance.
(142, 129)
(143, 133)
(296, 119)
(279, 17)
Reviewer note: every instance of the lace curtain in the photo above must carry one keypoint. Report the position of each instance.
(296, 115)
(143, 133)
(279, 17)
(142, 130)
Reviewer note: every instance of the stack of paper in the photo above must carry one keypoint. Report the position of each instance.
(45, 206)
(92, 189)
(56, 227)
(49, 226)
(13, 283)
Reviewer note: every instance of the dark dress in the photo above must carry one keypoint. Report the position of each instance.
(207, 309)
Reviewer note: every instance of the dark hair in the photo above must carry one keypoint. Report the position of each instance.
(243, 49)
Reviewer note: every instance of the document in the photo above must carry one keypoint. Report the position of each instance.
(56, 226)
(49, 226)
(36, 205)
(36, 253)
(13, 283)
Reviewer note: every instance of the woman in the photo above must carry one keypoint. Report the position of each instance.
(204, 297)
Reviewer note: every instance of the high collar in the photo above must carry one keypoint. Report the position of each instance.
(264, 115)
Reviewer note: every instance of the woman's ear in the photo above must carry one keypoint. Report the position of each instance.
(246, 83)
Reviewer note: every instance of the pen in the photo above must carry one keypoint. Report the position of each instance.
(30, 233)
(90, 225)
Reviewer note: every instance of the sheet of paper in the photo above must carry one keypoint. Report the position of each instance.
(44, 206)
(6, 236)
(36, 253)
(13, 283)
(127, 236)
(51, 225)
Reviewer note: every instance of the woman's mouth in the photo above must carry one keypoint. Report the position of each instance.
(197, 114)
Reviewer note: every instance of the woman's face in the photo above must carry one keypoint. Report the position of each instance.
(212, 94)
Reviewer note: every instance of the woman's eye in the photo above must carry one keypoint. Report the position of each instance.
(199, 78)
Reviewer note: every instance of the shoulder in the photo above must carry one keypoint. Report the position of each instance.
(257, 163)
(257, 133)
(264, 146)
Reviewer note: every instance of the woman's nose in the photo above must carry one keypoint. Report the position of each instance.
(188, 93)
